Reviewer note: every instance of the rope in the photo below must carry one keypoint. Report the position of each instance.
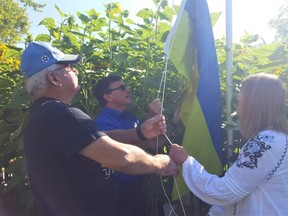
(178, 192)
(162, 86)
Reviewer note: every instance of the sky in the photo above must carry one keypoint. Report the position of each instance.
(251, 16)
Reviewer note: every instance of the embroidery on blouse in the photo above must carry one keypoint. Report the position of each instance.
(234, 209)
(269, 138)
(280, 161)
(253, 150)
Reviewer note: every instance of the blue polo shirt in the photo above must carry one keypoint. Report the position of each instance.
(110, 119)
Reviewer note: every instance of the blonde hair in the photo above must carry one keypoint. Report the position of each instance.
(263, 104)
(38, 83)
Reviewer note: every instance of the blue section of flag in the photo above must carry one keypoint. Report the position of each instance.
(208, 91)
(190, 46)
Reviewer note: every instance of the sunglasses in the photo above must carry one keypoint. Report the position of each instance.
(70, 67)
(121, 87)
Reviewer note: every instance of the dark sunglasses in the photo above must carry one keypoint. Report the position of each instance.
(121, 87)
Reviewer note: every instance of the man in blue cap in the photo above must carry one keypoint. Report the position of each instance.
(65, 151)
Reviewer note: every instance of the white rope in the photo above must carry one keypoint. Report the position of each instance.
(162, 86)
(178, 192)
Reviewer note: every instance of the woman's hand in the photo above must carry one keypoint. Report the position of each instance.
(178, 154)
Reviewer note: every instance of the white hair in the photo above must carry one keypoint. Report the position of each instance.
(38, 83)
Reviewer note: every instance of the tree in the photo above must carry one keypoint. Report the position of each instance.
(280, 23)
(14, 20)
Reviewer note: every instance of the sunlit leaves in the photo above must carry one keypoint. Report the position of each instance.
(113, 42)
(280, 23)
(145, 13)
(13, 22)
(48, 22)
(43, 37)
(112, 10)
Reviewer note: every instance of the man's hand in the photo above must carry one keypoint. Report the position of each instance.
(167, 167)
(154, 108)
(154, 127)
(178, 154)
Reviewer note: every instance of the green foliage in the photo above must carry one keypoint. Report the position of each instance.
(33, 4)
(251, 55)
(14, 22)
(280, 23)
(114, 43)
(13, 108)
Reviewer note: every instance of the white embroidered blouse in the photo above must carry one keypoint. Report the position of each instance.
(256, 184)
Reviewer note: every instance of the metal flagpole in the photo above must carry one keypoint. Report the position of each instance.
(229, 80)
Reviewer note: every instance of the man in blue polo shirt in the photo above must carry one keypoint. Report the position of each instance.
(114, 96)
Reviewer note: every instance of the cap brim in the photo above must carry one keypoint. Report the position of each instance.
(69, 59)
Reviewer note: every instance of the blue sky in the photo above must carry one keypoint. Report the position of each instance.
(248, 15)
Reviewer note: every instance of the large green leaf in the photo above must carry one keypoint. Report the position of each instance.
(84, 18)
(43, 37)
(59, 11)
(145, 13)
(48, 22)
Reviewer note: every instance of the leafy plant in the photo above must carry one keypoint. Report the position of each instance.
(114, 43)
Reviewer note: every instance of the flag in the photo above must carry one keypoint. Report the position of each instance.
(190, 46)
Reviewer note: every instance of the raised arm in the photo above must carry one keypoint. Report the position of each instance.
(150, 128)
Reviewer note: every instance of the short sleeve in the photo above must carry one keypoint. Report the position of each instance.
(76, 130)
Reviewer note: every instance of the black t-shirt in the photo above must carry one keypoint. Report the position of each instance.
(65, 182)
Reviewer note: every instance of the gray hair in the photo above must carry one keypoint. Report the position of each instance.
(38, 83)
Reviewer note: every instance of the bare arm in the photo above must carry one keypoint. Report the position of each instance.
(125, 136)
(128, 158)
(151, 128)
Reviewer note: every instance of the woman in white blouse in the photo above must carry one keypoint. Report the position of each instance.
(257, 183)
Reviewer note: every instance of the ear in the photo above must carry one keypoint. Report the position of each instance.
(107, 97)
(53, 79)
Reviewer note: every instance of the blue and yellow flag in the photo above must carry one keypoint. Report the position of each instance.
(191, 47)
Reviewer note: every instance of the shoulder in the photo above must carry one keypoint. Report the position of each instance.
(273, 138)
(264, 144)
(105, 115)
(267, 139)
(62, 112)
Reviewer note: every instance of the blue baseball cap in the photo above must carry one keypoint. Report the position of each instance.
(40, 55)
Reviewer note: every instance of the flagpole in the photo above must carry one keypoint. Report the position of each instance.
(229, 79)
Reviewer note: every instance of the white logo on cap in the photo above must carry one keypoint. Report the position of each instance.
(45, 58)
